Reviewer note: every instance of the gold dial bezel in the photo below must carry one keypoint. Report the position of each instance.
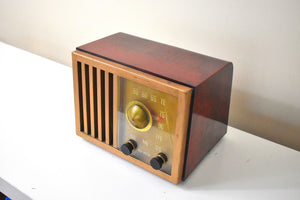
(149, 125)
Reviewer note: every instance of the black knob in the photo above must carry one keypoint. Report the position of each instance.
(128, 147)
(158, 161)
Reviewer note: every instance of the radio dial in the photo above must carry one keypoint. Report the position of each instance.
(138, 116)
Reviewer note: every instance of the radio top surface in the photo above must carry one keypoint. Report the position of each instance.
(172, 63)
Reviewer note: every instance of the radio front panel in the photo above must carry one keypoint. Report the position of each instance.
(132, 114)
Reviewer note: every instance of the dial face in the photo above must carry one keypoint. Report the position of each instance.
(138, 116)
(147, 116)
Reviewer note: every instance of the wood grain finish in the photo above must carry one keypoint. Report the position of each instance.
(132, 74)
(175, 64)
(181, 133)
(209, 118)
(201, 83)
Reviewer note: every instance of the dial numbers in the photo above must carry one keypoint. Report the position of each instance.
(163, 111)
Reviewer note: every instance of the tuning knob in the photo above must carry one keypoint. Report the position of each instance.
(128, 147)
(138, 116)
(158, 161)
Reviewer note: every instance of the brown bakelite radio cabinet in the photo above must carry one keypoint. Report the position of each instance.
(159, 107)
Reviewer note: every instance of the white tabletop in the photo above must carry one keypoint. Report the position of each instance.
(41, 155)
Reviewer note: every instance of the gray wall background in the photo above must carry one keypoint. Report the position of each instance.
(261, 38)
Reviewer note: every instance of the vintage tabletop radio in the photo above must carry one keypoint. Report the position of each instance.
(160, 107)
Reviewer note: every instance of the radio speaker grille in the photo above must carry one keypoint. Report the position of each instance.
(95, 97)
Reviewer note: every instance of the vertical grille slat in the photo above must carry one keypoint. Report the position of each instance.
(80, 95)
(115, 108)
(95, 110)
(111, 97)
(91, 98)
(96, 102)
(88, 106)
(107, 106)
(84, 100)
(103, 104)
(99, 103)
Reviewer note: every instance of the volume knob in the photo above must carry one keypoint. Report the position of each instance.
(158, 161)
(128, 147)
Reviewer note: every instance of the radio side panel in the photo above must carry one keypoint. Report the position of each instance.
(209, 117)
